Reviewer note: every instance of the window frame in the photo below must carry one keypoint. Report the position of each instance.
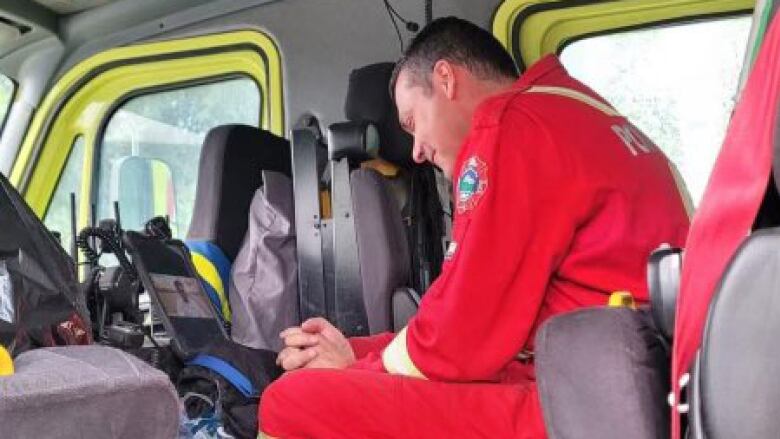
(11, 99)
(71, 150)
(530, 29)
(84, 98)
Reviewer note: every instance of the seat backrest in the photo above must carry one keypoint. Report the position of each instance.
(382, 248)
(736, 390)
(370, 250)
(229, 173)
(415, 186)
(603, 373)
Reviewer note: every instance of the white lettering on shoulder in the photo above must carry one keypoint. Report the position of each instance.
(636, 142)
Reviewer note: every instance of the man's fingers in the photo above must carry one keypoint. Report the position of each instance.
(290, 331)
(315, 325)
(301, 340)
(291, 358)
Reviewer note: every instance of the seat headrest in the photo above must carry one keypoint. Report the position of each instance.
(358, 141)
(229, 173)
(368, 99)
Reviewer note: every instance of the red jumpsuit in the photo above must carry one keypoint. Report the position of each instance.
(560, 201)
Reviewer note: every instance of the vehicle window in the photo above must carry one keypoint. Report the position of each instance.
(677, 83)
(6, 94)
(148, 158)
(58, 216)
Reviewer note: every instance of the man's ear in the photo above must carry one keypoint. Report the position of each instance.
(444, 78)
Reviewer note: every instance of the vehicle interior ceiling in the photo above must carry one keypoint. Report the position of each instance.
(320, 42)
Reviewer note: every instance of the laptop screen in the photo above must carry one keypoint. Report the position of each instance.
(167, 274)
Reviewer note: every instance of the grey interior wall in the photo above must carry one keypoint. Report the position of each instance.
(321, 41)
(35, 67)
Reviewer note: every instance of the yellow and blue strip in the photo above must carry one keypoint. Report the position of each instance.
(214, 270)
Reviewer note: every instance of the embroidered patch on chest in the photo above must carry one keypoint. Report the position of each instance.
(471, 184)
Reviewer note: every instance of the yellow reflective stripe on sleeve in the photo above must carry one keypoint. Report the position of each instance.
(262, 435)
(396, 358)
(209, 273)
(576, 95)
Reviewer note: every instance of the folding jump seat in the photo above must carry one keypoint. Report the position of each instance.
(370, 250)
(414, 186)
(230, 171)
(356, 266)
(382, 209)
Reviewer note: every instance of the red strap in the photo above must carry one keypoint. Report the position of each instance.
(729, 206)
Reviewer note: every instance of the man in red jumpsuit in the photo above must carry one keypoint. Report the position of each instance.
(559, 201)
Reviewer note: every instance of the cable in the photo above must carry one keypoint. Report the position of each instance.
(411, 26)
(109, 240)
(390, 13)
(428, 12)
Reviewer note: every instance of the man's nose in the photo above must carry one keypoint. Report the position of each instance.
(418, 155)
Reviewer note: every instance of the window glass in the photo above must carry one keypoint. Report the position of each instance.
(677, 83)
(6, 93)
(149, 154)
(58, 216)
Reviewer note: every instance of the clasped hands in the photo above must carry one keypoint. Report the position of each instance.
(314, 344)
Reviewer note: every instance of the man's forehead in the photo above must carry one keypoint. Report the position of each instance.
(402, 82)
(405, 90)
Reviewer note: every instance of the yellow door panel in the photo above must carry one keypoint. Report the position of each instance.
(547, 26)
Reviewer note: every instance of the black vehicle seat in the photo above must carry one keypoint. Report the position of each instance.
(229, 173)
(603, 373)
(412, 185)
(395, 206)
(734, 389)
(370, 250)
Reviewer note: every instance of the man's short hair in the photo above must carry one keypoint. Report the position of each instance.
(457, 41)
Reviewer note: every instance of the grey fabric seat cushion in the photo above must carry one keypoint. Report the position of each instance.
(603, 373)
(382, 246)
(86, 392)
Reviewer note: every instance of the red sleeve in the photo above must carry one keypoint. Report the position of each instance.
(517, 210)
(363, 346)
(368, 351)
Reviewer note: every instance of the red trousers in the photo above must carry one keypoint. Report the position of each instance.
(329, 403)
